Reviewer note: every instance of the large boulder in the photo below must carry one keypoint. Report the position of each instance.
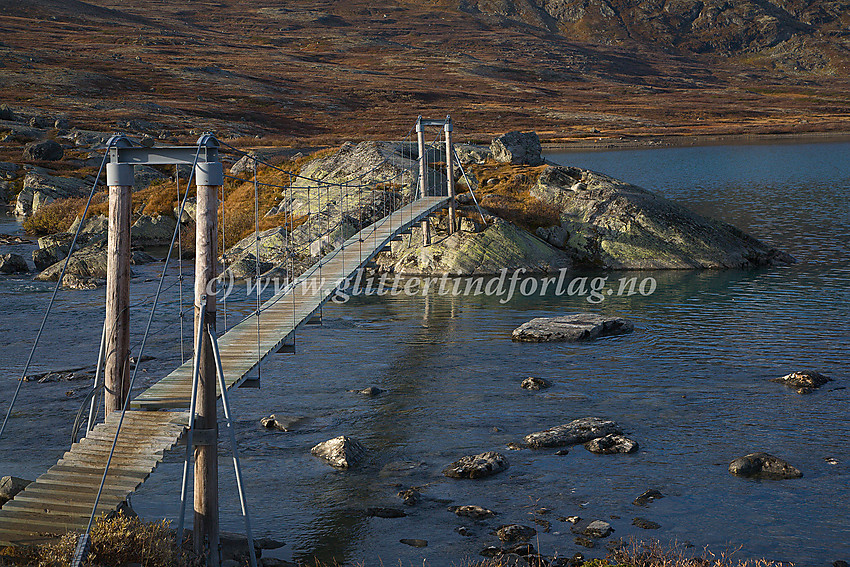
(520, 148)
(577, 431)
(46, 150)
(153, 230)
(13, 264)
(144, 175)
(571, 328)
(501, 246)
(87, 262)
(470, 153)
(614, 225)
(41, 188)
(763, 465)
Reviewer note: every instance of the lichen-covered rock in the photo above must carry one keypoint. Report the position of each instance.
(145, 175)
(87, 262)
(41, 188)
(46, 150)
(500, 247)
(340, 452)
(470, 153)
(515, 532)
(577, 431)
(155, 230)
(804, 381)
(13, 264)
(611, 444)
(521, 148)
(477, 466)
(571, 328)
(763, 465)
(614, 225)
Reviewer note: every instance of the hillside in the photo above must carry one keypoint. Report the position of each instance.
(326, 71)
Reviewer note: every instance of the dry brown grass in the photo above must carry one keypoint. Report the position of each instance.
(54, 217)
(508, 194)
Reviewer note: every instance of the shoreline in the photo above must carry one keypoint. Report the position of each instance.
(688, 140)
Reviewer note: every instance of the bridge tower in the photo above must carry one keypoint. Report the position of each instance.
(446, 124)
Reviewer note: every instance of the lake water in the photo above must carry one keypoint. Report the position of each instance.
(690, 385)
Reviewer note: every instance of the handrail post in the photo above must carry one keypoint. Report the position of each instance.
(119, 179)
(209, 177)
(423, 180)
(450, 175)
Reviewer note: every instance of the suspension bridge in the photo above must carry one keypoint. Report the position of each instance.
(116, 456)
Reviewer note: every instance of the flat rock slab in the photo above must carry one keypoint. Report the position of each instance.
(804, 381)
(571, 328)
(340, 452)
(477, 466)
(577, 431)
(611, 444)
(762, 465)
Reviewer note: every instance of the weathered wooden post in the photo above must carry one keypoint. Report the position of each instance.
(119, 179)
(423, 180)
(209, 176)
(450, 174)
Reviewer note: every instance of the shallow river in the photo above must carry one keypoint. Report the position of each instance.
(690, 384)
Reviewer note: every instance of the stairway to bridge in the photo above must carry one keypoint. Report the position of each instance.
(61, 500)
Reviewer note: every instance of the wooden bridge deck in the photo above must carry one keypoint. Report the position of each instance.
(286, 311)
(61, 500)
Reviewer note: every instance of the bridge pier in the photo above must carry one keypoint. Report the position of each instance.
(119, 179)
(208, 178)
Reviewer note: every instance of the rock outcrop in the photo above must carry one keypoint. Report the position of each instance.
(46, 150)
(42, 188)
(572, 433)
(609, 224)
(571, 328)
(13, 264)
(762, 465)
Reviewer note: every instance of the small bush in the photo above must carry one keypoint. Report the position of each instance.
(54, 217)
(118, 540)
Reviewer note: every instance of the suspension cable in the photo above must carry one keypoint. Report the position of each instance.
(257, 263)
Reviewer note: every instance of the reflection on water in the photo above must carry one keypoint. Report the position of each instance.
(690, 384)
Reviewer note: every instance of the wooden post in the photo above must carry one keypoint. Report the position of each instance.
(450, 175)
(208, 178)
(119, 178)
(423, 181)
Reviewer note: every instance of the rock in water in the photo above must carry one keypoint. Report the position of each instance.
(380, 512)
(611, 444)
(615, 225)
(571, 328)
(572, 433)
(515, 532)
(520, 148)
(762, 465)
(414, 542)
(804, 381)
(85, 263)
(13, 264)
(472, 511)
(532, 383)
(647, 497)
(598, 528)
(477, 466)
(341, 452)
(11, 486)
(46, 150)
(645, 524)
(281, 423)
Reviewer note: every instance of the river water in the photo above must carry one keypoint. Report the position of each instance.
(690, 385)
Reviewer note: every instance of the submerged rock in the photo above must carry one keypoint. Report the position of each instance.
(611, 444)
(571, 328)
(281, 423)
(804, 381)
(477, 466)
(647, 497)
(645, 524)
(472, 511)
(341, 452)
(763, 465)
(410, 496)
(614, 225)
(380, 512)
(532, 383)
(414, 542)
(577, 431)
(515, 532)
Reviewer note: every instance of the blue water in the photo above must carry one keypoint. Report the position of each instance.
(690, 385)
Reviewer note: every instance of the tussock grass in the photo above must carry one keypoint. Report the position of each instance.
(509, 195)
(54, 217)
